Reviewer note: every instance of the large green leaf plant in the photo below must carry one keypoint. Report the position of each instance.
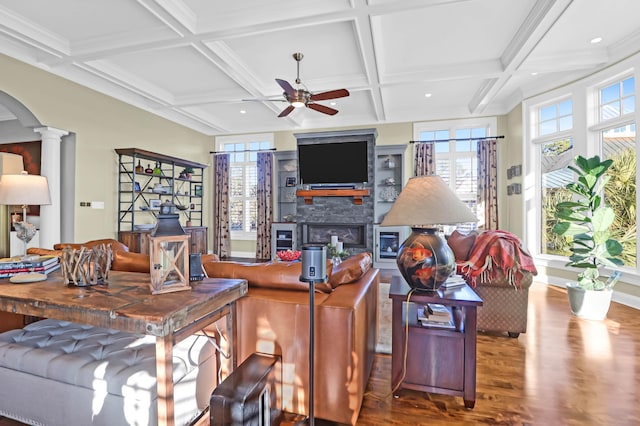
(587, 221)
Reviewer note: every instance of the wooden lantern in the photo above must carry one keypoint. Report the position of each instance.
(169, 256)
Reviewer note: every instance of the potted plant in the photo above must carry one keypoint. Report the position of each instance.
(586, 221)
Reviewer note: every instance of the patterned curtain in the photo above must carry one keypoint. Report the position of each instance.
(221, 238)
(265, 205)
(424, 164)
(488, 184)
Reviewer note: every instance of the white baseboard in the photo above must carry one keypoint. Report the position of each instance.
(618, 296)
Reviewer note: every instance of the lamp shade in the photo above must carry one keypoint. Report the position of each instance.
(424, 259)
(24, 189)
(11, 164)
(428, 200)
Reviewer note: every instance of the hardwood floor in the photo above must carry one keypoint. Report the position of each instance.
(563, 371)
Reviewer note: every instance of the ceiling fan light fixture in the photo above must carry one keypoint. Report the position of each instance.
(297, 104)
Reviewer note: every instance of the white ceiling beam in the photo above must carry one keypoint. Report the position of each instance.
(540, 20)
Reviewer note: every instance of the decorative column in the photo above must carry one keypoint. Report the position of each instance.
(50, 216)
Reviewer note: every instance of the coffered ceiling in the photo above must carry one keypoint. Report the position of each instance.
(196, 61)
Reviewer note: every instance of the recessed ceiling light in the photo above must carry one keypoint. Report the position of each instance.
(534, 73)
(243, 111)
(427, 95)
(596, 40)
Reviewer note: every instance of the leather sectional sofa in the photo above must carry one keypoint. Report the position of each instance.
(273, 318)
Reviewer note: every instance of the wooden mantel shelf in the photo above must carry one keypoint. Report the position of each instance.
(357, 194)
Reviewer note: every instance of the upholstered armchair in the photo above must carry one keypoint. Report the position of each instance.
(500, 270)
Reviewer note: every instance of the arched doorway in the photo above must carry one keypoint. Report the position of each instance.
(19, 124)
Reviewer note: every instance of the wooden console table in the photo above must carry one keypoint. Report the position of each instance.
(438, 360)
(126, 304)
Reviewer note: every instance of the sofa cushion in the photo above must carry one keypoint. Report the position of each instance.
(209, 257)
(278, 275)
(461, 244)
(130, 262)
(350, 269)
(115, 245)
(44, 252)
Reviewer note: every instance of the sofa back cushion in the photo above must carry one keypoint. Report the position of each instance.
(130, 262)
(115, 245)
(350, 269)
(461, 244)
(277, 275)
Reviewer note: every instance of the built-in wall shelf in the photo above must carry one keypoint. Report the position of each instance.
(357, 194)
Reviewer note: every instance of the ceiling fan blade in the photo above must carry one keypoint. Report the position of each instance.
(287, 111)
(288, 89)
(323, 109)
(331, 94)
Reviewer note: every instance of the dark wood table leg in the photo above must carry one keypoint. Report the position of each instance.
(470, 324)
(397, 344)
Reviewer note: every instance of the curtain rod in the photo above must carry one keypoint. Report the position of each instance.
(460, 139)
(244, 150)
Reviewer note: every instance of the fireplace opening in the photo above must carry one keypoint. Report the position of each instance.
(351, 234)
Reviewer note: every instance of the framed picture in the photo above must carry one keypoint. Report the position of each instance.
(155, 204)
(197, 190)
(291, 181)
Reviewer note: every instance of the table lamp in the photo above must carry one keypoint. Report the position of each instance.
(424, 259)
(24, 189)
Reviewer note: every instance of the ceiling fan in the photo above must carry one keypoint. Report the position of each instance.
(301, 97)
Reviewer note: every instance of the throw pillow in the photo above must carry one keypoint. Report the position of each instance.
(350, 269)
(276, 275)
(461, 244)
(129, 261)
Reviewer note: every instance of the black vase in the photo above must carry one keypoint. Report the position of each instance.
(425, 260)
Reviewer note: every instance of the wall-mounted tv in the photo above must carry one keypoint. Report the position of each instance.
(333, 163)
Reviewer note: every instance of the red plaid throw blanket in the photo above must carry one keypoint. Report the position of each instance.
(496, 251)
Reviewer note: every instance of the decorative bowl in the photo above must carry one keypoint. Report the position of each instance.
(180, 207)
(288, 255)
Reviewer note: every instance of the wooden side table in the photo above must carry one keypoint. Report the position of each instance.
(438, 360)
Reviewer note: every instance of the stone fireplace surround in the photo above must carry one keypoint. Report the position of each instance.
(326, 216)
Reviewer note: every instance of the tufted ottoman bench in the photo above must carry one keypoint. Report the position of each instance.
(62, 373)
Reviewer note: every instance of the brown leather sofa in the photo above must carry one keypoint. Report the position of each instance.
(500, 271)
(273, 318)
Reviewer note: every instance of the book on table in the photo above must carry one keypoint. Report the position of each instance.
(439, 320)
(27, 262)
(41, 264)
(453, 281)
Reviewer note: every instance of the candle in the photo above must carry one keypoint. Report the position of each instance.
(339, 246)
(334, 240)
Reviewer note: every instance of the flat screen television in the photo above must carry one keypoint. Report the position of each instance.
(333, 163)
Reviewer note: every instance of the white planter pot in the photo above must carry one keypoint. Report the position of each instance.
(589, 304)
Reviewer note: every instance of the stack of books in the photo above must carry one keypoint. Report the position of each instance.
(435, 315)
(41, 264)
(454, 281)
